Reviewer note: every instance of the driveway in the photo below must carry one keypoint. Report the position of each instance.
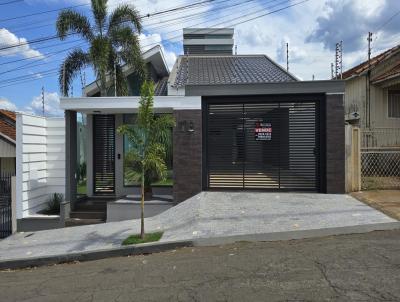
(359, 267)
(214, 215)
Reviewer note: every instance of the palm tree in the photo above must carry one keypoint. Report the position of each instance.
(113, 40)
(149, 138)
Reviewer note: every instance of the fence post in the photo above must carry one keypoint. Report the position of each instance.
(13, 205)
(356, 159)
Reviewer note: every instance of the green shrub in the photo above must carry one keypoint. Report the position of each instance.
(53, 204)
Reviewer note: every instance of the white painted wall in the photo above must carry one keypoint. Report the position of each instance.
(40, 156)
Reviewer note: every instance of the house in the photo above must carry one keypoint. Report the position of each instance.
(243, 123)
(7, 142)
(373, 99)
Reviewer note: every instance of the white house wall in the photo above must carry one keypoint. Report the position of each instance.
(40, 157)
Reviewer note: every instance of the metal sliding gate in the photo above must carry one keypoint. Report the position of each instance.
(271, 145)
(104, 154)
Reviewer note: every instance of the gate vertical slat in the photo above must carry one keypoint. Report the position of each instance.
(5, 205)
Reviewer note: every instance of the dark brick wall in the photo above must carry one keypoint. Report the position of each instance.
(187, 155)
(335, 144)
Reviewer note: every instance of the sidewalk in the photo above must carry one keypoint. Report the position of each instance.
(387, 201)
(213, 215)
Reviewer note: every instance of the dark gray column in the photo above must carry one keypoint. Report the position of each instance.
(187, 154)
(70, 156)
(335, 144)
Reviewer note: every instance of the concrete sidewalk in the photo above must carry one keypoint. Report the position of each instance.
(211, 215)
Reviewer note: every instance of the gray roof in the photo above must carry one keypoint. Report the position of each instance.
(229, 69)
(161, 87)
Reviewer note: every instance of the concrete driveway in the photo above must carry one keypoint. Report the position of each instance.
(214, 218)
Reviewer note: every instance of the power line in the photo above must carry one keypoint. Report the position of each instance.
(11, 2)
(43, 12)
(16, 80)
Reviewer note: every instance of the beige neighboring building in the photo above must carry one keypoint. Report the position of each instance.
(372, 99)
(7, 142)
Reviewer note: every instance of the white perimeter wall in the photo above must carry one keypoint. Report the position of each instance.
(40, 157)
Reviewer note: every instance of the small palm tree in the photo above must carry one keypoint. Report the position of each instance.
(113, 39)
(149, 138)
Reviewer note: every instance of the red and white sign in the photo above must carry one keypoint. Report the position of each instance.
(263, 131)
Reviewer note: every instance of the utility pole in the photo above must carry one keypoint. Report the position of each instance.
(63, 82)
(338, 60)
(235, 49)
(43, 100)
(332, 72)
(115, 77)
(287, 57)
(369, 39)
(313, 77)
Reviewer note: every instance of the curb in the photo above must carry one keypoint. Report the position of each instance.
(146, 248)
(301, 234)
(157, 247)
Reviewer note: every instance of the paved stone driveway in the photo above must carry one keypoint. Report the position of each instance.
(206, 215)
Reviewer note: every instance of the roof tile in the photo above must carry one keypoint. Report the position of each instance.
(232, 69)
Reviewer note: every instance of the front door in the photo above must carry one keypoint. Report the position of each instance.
(104, 154)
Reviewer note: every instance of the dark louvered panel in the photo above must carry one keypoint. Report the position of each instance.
(270, 145)
(104, 154)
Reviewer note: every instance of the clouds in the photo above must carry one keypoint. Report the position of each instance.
(6, 104)
(51, 105)
(7, 38)
(350, 21)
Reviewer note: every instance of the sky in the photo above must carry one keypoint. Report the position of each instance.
(312, 28)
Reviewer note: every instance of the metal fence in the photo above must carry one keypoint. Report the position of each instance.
(380, 168)
(380, 138)
(5, 205)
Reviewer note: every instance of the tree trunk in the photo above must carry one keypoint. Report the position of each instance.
(142, 209)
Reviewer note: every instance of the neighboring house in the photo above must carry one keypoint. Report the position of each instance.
(157, 71)
(243, 122)
(373, 99)
(7, 142)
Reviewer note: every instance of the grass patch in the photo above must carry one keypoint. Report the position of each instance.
(135, 239)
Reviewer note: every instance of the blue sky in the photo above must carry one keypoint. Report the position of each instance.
(311, 29)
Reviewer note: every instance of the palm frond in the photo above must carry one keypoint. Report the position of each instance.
(125, 39)
(69, 21)
(100, 50)
(69, 69)
(99, 10)
(122, 15)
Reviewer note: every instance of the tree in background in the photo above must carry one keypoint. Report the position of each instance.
(112, 39)
(149, 137)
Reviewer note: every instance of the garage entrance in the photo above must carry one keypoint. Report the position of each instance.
(262, 145)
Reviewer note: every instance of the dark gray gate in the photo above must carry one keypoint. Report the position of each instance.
(5, 206)
(104, 154)
(270, 145)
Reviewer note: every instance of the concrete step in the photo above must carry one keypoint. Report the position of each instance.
(88, 214)
(77, 222)
(91, 207)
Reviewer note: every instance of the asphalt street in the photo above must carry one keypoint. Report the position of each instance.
(360, 267)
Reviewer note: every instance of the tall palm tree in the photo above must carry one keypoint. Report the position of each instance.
(149, 138)
(113, 40)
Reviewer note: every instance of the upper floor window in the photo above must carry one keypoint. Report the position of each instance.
(394, 104)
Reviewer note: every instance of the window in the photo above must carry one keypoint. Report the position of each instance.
(394, 104)
(131, 178)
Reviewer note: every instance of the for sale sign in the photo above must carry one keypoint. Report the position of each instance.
(263, 131)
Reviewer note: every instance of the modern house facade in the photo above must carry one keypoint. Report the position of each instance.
(242, 123)
(7, 142)
(373, 99)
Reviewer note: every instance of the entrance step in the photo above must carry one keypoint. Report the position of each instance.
(77, 222)
(91, 207)
(88, 214)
